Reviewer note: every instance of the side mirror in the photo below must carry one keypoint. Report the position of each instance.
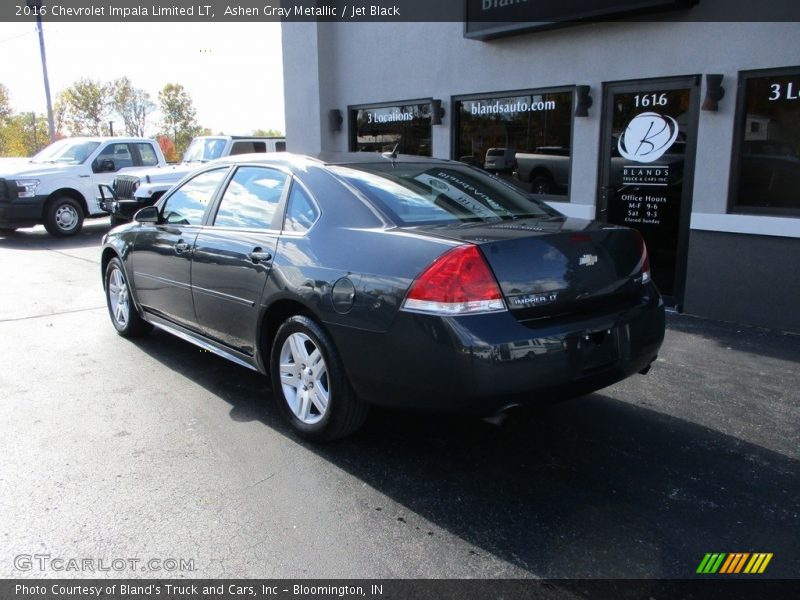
(104, 166)
(104, 189)
(149, 214)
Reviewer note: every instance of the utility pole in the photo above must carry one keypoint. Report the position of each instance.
(35, 141)
(36, 5)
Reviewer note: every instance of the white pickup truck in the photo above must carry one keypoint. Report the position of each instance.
(546, 169)
(59, 186)
(133, 189)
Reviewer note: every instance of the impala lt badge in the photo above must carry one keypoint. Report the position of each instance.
(588, 260)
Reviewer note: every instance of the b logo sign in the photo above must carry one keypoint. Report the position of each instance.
(647, 137)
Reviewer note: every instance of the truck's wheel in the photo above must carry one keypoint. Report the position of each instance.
(541, 184)
(63, 217)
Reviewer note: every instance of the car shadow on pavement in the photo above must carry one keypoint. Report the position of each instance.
(37, 238)
(739, 337)
(595, 487)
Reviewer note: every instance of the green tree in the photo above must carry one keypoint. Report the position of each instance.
(23, 134)
(178, 115)
(132, 105)
(5, 105)
(267, 133)
(84, 107)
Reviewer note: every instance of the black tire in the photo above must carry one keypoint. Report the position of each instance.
(63, 217)
(343, 412)
(126, 319)
(541, 184)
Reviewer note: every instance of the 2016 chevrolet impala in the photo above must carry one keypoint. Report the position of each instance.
(360, 279)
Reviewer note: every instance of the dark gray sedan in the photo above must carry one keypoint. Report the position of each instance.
(360, 279)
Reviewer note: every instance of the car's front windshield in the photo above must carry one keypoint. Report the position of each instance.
(416, 194)
(204, 149)
(71, 152)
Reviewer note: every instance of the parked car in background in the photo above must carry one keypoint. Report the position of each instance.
(500, 160)
(360, 279)
(59, 186)
(133, 189)
(546, 169)
(471, 160)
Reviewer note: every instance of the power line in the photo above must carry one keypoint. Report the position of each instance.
(18, 36)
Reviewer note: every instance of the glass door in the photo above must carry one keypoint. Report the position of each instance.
(647, 167)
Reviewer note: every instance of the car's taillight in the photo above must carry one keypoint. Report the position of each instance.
(644, 261)
(457, 283)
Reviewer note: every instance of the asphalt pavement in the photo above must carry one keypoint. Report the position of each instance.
(152, 449)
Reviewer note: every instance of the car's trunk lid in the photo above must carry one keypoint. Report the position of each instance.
(553, 265)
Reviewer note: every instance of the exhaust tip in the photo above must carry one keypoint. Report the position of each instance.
(647, 368)
(500, 417)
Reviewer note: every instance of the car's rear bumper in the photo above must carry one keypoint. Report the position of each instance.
(22, 212)
(481, 364)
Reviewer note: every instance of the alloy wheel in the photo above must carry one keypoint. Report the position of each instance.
(119, 298)
(304, 378)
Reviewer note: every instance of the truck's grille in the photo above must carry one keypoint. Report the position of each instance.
(125, 186)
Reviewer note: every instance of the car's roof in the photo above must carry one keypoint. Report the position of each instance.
(238, 137)
(329, 158)
(101, 139)
(355, 158)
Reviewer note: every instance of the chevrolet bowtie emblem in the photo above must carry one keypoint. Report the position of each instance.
(588, 260)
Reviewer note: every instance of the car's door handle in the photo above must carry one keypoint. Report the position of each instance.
(259, 256)
(181, 247)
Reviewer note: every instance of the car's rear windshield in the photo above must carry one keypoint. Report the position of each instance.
(496, 152)
(416, 193)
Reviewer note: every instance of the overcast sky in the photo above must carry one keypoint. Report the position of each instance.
(232, 71)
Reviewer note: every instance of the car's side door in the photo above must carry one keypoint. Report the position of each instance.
(233, 255)
(111, 158)
(163, 251)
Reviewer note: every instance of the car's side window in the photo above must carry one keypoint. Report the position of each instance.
(301, 212)
(186, 205)
(149, 158)
(251, 199)
(119, 153)
(248, 147)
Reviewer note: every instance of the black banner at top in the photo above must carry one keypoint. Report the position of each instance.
(492, 18)
(743, 588)
(479, 16)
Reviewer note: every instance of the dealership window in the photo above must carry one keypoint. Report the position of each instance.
(766, 171)
(527, 135)
(381, 128)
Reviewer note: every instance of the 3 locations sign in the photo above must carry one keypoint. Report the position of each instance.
(487, 19)
(406, 127)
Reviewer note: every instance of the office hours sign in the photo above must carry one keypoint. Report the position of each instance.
(644, 168)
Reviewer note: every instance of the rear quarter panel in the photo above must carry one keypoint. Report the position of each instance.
(350, 240)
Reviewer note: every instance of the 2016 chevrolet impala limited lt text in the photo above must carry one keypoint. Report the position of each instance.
(358, 279)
